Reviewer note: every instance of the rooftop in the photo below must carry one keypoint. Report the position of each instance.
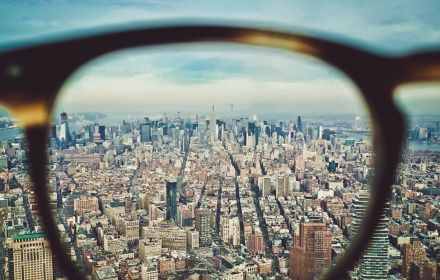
(29, 236)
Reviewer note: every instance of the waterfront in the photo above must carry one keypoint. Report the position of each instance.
(9, 133)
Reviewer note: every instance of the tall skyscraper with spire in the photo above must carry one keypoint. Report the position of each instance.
(299, 124)
(231, 115)
(64, 134)
(213, 124)
(374, 262)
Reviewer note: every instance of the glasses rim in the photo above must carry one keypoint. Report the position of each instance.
(29, 94)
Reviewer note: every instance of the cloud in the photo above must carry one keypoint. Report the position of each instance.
(208, 62)
(387, 25)
(135, 93)
(418, 99)
(200, 76)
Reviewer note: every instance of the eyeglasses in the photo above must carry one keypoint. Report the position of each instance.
(30, 79)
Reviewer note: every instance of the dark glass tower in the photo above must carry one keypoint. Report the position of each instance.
(101, 131)
(332, 166)
(146, 131)
(171, 189)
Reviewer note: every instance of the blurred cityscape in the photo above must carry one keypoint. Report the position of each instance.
(218, 197)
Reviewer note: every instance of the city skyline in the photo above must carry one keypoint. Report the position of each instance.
(217, 197)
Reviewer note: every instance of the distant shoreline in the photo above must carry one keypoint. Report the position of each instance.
(9, 133)
(9, 127)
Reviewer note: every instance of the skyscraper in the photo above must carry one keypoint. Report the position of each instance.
(213, 125)
(64, 134)
(299, 124)
(266, 187)
(332, 166)
(145, 131)
(203, 226)
(231, 116)
(282, 185)
(30, 257)
(99, 133)
(171, 192)
(310, 133)
(374, 262)
(311, 251)
(319, 136)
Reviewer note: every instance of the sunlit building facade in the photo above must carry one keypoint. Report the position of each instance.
(30, 257)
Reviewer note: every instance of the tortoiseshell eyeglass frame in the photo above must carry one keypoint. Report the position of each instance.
(31, 76)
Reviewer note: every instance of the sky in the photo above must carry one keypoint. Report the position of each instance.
(193, 78)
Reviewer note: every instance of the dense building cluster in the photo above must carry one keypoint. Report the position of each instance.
(218, 198)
